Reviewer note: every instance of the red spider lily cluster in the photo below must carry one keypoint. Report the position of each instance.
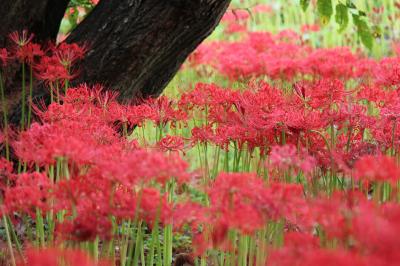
(284, 56)
(299, 166)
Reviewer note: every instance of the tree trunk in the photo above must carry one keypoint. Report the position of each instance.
(41, 17)
(136, 46)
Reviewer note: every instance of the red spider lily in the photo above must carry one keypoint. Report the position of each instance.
(332, 120)
(203, 134)
(50, 70)
(315, 256)
(6, 167)
(94, 103)
(29, 52)
(236, 21)
(288, 156)
(386, 131)
(137, 115)
(387, 72)
(171, 143)
(236, 14)
(318, 62)
(161, 111)
(282, 56)
(79, 130)
(83, 103)
(239, 64)
(354, 116)
(325, 93)
(353, 220)
(374, 94)
(75, 141)
(68, 54)
(206, 95)
(230, 195)
(374, 229)
(235, 27)
(244, 203)
(21, 38)
(25, 50)
(31, 192)
(6, 174)
(261, 41)
(146, 204)
(90, 201)
(377, 168)
(87, 202)
(190, 213)
(262, 8)
(96, 95)
(4, 56)
(295, 121)
(58, 256)
(310, 28)
(149, 166)
(87, 226)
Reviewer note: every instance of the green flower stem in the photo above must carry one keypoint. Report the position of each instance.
(30, 95)
(14, 237)
(138, 244)
(168, 237)
(5, 118)
(10, 248)
(40, 239)
(23, 98)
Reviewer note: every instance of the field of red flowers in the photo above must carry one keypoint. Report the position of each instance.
(275, 152)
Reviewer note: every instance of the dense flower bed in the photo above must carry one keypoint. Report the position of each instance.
(299, 165)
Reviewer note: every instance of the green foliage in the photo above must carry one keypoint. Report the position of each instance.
(363, 30)
(325, 10)
(74, 16)
(81, 3)
(342, 13)
(342, 16)
(304, 4)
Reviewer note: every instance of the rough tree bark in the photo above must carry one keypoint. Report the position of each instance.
(42, 17)
(136, 46)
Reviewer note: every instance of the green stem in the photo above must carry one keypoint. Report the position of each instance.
(23, 98)
(30, 95)
(167, 250)
(125, 243)
(138, 244)
(66, 85)
(40, 240)
(393, 138)
(5, 119)
(9, 241)
(15, 238)
(154, 238)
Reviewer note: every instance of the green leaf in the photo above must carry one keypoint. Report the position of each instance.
(364, 32)
(362, 13)
(350, 4)
(376, 31)
(342, 17)
(325, 10)
(304, 4)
